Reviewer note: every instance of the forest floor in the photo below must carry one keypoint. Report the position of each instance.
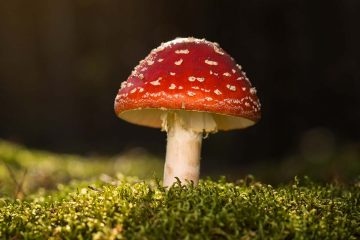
(53, 196)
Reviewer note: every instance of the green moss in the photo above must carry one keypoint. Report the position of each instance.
(45, 170)
(213, 210)
(69, 197)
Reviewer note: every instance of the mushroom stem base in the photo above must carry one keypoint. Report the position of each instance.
(182, 151)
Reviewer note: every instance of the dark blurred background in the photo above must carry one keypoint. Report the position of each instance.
(62, 62)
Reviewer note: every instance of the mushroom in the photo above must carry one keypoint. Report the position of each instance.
(189, 88)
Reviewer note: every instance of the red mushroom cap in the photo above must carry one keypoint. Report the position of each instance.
(193, 75)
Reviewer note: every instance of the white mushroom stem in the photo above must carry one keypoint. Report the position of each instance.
(184, 137)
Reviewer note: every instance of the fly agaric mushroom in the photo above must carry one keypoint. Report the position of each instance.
(188, 87)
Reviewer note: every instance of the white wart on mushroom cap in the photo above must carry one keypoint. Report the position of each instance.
(192, 76)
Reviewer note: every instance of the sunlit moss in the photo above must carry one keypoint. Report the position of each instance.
(130, 209)
(41, 169)
(63, 199)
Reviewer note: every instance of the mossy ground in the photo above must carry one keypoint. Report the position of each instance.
(122, 207)
(213, 210)
(24, 171)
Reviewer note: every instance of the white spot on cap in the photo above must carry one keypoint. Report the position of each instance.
(141, 89)
(209, 62)
(182, 51)
(141, 76)
(217, 92)
(205, 90)
(122, 95)
(160, 48)
(208, 98)
(179, 62)
(191, 94)
(218, 50)
(253, 90)
(240, 78)
(233, 70)
(129, 84)
(247, 104)
(123, 85)
(200, 79)
(180, 87)
(195, 87)
(231, 87)
(160, 59)
(143, 69)
(150, 62)
(244, 88)
(239, 66)
(172, 86)
(192, 78)
(172, 73)
(156, 82)
(133, 90)
(226, 74)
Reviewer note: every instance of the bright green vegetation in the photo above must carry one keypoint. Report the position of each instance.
(214, 210)
(77, 205)
(24, 171)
